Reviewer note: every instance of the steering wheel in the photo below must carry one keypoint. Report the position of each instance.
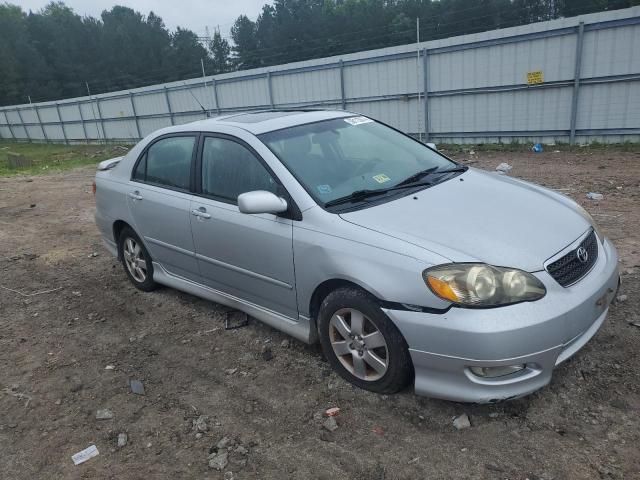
(367, 166)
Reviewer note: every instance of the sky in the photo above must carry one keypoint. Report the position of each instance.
(195, 15)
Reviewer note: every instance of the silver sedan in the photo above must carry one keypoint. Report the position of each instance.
(338, 229)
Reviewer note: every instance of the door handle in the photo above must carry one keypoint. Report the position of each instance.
(201, 213)
(135, 195)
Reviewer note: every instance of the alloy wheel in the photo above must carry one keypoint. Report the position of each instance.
(358, 344)
(134, 259)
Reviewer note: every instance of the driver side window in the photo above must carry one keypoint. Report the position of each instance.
(229, 169)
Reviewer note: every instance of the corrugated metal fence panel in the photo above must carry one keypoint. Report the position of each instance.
(187, 118)
(149, 125)
(614, 105)
(477, 89)
(74, 131)
(89, 110)
(503, 64)
(29, 115)
(120, 129)
(401, 114)
(532, 109)
(48, 114)
(69, 113)
(151, 104)
(54, 132)
(116, 107)
(189, 100)
(244, 93)
(382, 78)
(613, 51)
(306, 87)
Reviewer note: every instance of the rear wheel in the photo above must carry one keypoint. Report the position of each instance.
(136, 260)
(361, 343)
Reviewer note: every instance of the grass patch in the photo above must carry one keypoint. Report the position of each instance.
(48, 158)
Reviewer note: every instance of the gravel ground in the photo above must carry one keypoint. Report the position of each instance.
(210, 395)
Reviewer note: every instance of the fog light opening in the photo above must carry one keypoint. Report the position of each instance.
(494, 372)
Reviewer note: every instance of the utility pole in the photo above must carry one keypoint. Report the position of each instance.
(418, 75)
(204, 81)
(93, 110)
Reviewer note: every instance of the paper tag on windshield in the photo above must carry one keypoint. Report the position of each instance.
(381, 178)
(357, 120)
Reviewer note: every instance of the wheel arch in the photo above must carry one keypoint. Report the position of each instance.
(320, 293)
(118, 227)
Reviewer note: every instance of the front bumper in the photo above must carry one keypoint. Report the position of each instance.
(539, 335)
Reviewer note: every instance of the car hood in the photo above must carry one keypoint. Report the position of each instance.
(481, 216)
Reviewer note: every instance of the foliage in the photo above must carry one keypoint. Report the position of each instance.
(50, 54)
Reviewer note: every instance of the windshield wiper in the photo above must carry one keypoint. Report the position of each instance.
(363, 194)
(409, 182)
(357, 195)
(430, 171)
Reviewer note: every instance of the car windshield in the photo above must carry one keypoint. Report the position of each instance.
(335, 159)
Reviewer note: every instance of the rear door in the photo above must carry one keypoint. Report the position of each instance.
(159, 198)
(247, 256)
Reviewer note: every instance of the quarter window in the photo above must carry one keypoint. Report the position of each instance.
(230, 169)
(167, 162)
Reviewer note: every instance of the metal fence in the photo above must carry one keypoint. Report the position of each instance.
(566, 80)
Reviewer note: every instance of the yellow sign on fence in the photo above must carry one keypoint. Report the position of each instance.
(534, 78)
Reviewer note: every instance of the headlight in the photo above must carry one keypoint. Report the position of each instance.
(481, 285)
(590, 219)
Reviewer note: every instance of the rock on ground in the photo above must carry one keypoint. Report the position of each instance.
(218, 461)
(461, 422)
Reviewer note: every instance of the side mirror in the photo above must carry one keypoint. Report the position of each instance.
(261, 201)
(432, 145)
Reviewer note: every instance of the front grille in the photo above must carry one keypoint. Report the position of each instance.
(569, 269)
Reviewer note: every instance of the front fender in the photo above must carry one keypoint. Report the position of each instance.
(388, 268)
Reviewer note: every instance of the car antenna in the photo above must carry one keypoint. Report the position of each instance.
(206, 112)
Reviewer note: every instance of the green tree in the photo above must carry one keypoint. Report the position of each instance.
(245, 49)
(220, 53)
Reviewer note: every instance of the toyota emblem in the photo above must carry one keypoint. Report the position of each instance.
(582, 254)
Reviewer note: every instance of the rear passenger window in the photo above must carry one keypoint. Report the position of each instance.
(167, 163)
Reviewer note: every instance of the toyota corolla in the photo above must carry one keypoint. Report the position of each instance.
(335, 228)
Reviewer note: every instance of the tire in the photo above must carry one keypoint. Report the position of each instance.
(379, 343)
(129, 244)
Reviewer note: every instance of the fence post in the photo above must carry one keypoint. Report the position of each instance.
(26, 131)
(166, 97)
(215, 94)
(104, 136)
(44, 134)
(270, 89)
(342, 96)
(64, 133)
(576, 84)
(425, 92)
(6, 117)
(84, 127)
(135, 115)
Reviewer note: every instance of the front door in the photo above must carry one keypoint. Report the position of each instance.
(247, 256)
(159, 202)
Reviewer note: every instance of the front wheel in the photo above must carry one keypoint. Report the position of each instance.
(136, 260)
(361, 343)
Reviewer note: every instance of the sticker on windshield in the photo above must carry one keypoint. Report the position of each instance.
(381, 178)
(357, 120)
(324, 189)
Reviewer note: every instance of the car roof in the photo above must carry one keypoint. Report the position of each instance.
(269, 120)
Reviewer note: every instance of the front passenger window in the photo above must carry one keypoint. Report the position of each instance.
(167, 163)
(229, 169)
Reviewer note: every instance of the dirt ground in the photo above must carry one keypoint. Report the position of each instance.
(54, 348)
